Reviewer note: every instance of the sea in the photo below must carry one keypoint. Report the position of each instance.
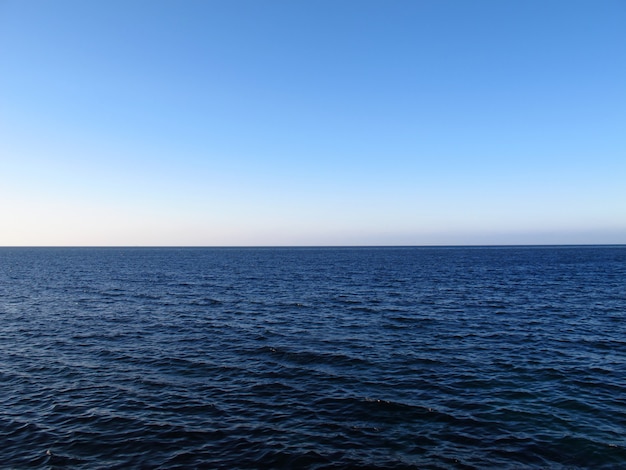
(314, 358)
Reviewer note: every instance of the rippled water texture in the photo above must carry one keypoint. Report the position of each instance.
(313, 358)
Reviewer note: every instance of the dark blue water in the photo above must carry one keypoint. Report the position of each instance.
(313, 358)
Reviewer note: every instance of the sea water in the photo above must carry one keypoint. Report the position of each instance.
(443, 357)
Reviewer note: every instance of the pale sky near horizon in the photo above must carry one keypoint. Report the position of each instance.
(312, 122)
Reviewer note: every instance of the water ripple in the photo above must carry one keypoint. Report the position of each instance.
(430, 358)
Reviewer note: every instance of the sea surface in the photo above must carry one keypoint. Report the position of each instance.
(428, 358)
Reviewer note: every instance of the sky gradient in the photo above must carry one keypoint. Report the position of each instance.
(312, 122)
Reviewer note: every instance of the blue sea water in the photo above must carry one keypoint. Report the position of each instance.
(429, 358)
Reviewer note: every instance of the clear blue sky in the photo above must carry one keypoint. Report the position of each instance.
(312, 122)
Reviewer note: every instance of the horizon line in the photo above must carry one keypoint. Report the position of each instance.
(503, 245)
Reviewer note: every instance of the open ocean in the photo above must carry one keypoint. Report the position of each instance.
(429, 358)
